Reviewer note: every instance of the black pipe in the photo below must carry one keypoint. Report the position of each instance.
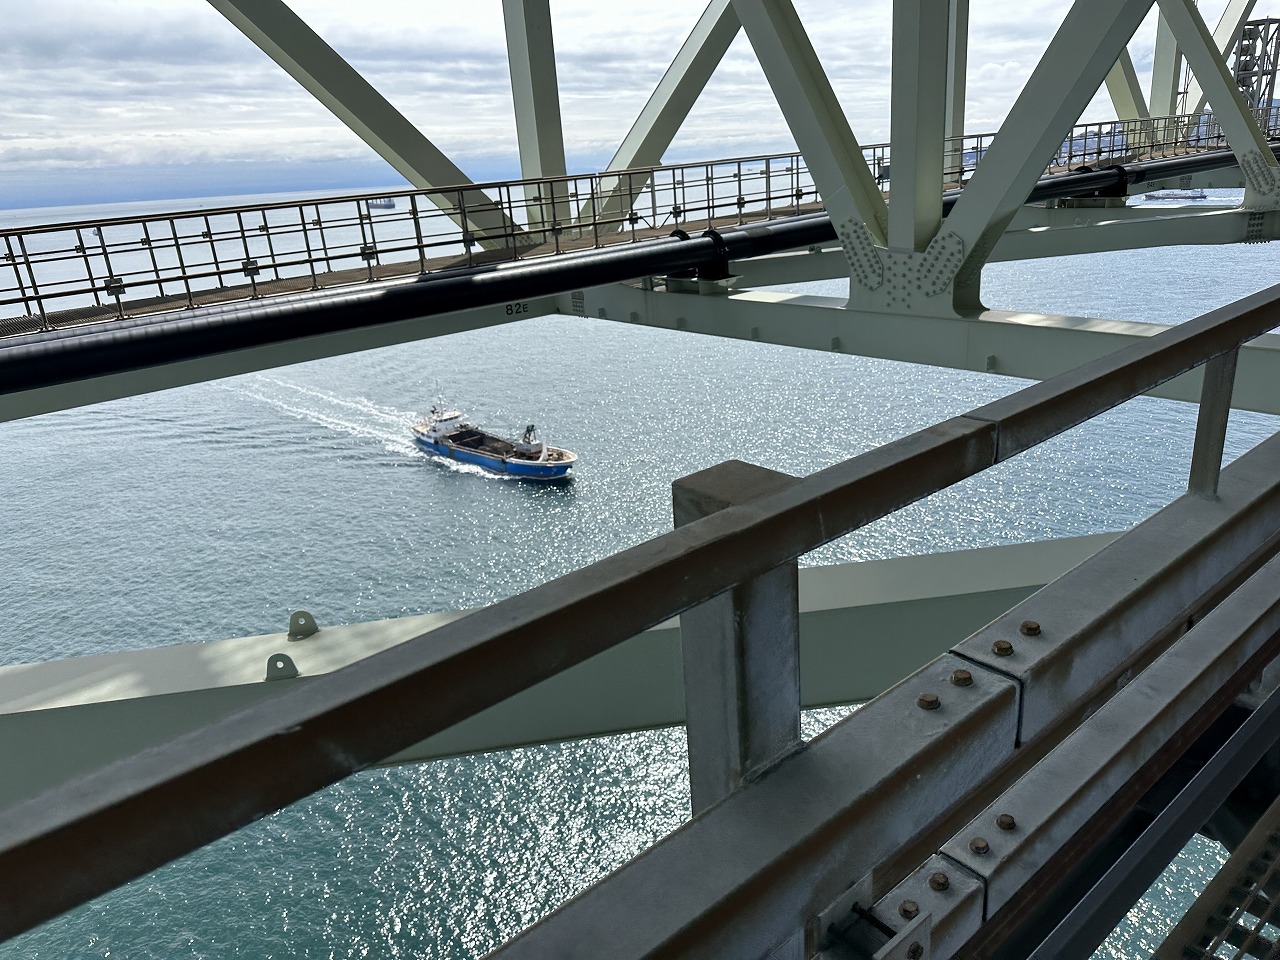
(63, 356)
(1113, 180)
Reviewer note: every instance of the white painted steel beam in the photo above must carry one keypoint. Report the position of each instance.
(1225, 37)
(532, 58)
(957, 75)
(1071, 71)
(1166, 72)
(1125, 91)
(1259, 164)
(1029, 345)
(813, 113)
(864, 626)
(536, 95)
(287, 40)
(1036, 234)
(667, 108)
(1039, 232)
(918, 120)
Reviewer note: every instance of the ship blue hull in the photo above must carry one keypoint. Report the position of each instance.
(524, 469)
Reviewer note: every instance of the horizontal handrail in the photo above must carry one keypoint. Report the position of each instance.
(397, 193)
(94, 833)
(88, 270)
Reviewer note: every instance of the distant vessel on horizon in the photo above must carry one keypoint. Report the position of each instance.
(382, 203)
(1176, 195)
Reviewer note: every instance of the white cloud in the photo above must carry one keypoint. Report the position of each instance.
(108, 82)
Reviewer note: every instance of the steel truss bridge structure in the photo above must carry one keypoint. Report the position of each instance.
(1008, 790)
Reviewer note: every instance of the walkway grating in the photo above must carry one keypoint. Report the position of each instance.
(1236, 916)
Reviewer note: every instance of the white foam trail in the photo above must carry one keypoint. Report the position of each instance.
(352, 416)
(467, 468)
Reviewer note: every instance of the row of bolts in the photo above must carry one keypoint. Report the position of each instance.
(939, 881)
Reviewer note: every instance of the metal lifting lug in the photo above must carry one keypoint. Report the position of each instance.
(280, 666)
(302, 625)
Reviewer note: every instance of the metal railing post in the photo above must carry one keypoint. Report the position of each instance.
(306, 242)
(182, 263)
(21, 288)
(768, 189)
(318, 223)
(711, 196)
(417, 233)
(265, 230)
(1211, 423)
(213, 251)
(35, 287)
(741, 657)
(741, 650)
(88, 267)
(151, 252)
(467, 236)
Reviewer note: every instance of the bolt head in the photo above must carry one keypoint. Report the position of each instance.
(961, 678)
(1029, 628)
(1002, 648)
(928, 701)
(939, 881)
(980, 846)
(915, 951)
(909, 909)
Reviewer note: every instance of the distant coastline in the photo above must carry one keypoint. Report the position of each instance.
(33, 186)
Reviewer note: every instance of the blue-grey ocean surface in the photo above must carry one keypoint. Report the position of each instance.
(214, 510)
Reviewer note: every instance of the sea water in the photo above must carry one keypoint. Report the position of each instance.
(216, 509)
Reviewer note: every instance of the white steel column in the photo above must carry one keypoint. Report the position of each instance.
(1071, 71)
(1225, 36)
(813, 113)
(531, 54)
(1166, 72)
(1258, 164)
(287, 40)
(669, 105)
(957, 79)
(918, 118)
(536, 94)
(1124, 90)
(1166, 83)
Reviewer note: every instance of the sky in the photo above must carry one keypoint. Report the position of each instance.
(109, 100)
